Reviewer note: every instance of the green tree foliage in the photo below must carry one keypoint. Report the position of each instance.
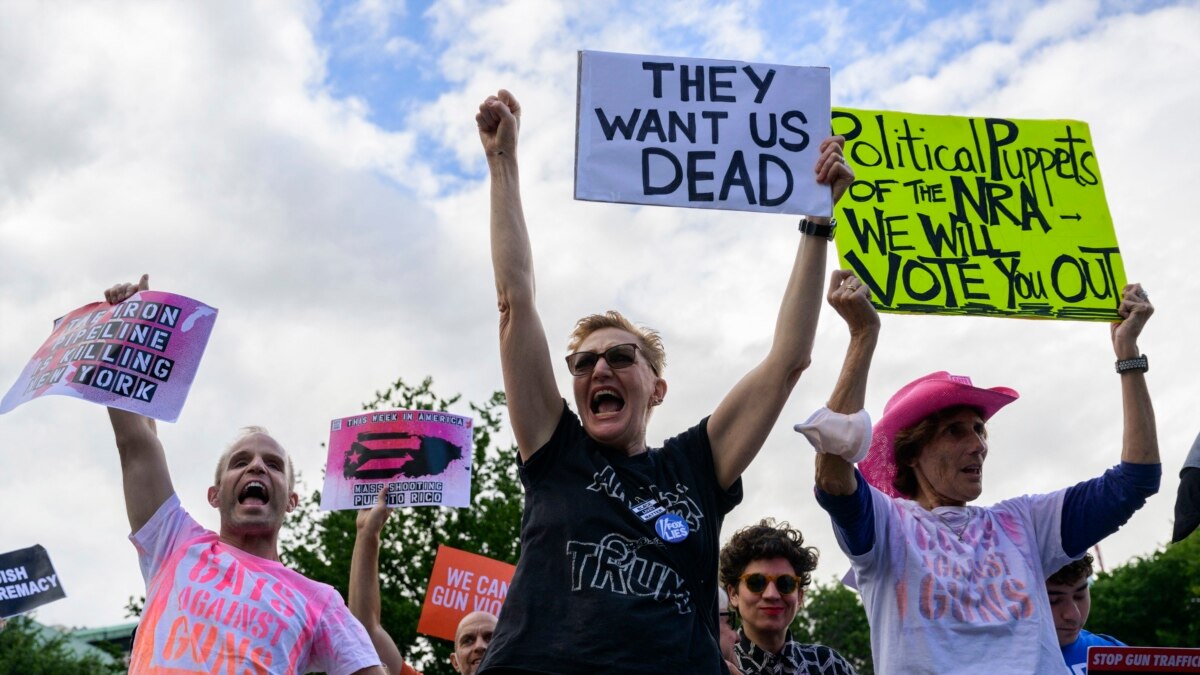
(1151, 601)
(26, 649)
(319, 544)
(834, 616)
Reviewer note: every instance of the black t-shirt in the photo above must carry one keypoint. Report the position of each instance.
(598, 589)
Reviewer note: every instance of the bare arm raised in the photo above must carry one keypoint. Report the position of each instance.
(852, 300)
(364, 600)
(144, 471)
(534, 402)
(1140, 435)
(740, 424)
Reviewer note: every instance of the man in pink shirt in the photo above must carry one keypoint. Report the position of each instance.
(222, 601)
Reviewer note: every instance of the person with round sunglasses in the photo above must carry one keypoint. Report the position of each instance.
(766, 568)
(950, 587)
(618, 568)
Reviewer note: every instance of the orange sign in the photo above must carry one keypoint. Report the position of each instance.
(462, 583)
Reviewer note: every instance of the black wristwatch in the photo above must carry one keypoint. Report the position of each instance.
(1139, 365)
(814, 229)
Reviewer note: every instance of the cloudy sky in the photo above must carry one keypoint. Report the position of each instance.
(313, 171)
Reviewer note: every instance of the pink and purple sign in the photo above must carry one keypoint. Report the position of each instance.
(416, 457)
(140, 355)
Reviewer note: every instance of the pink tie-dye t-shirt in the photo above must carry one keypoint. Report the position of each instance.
(213, 608)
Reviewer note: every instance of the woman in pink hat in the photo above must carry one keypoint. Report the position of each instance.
(949, 587)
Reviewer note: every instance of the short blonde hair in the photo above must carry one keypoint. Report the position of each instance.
(649, 341)
(243, 433)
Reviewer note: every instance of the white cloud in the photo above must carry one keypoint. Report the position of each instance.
(1056, 21)
(402, 47)
(370, 16)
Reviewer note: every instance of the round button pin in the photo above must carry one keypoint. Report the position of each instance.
(671, 528)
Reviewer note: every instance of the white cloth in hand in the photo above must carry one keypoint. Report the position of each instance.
(847, 436)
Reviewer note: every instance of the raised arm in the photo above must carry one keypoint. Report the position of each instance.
(534, 403)
(1140, 438)
(852, 300)
(144, 471)
(1096, 508)
(740, 424)
(364, 600)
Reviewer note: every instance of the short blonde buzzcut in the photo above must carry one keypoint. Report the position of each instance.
(649, 341)
(243, 433)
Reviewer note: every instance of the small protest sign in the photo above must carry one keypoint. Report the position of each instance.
(985, 216)
(418, 457)
(27, 581)
(139, 355)
(1142, 660)
(461, 583)
(703, 133)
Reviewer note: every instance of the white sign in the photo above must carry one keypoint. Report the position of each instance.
(703, 133)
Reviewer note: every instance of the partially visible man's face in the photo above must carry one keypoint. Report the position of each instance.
(729, 636)
(1070, 604)
(471, 641)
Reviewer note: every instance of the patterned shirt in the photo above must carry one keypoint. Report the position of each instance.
(792, 659)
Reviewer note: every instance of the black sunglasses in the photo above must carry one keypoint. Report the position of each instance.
(617, 357)
(784, 583)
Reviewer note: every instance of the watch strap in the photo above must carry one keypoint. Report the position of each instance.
(815, 229)
(1139, 365)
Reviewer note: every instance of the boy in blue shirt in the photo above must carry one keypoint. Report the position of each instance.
(1070, 602)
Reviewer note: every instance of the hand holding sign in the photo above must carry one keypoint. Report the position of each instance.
(370, 521)
(832, 169)
(119, 293)
(1135, 311)
(364, 596)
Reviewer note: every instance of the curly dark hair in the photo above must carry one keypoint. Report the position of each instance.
(908, 443)
(767, 539)
(1073, 573)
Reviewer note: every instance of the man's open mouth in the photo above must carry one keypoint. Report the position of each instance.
(254, 492)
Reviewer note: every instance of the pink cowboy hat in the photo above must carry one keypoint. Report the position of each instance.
(914, 402)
